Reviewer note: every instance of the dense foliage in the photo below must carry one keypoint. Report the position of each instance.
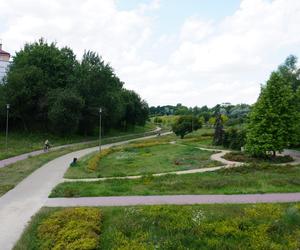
(275, 117)
(50, 90)
(71, 228)
(185, 125)
(223, 226)
(219, 131)
(262, 226)
(236, 114)
(234, 138)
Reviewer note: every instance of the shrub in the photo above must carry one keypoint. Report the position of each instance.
(185, 125)
(71, 228)
(94, 161)
(157, 120)
(243, 157)
(234, 138)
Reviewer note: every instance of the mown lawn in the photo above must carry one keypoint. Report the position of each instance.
(19, 143)
(259, 226)
(240, 180)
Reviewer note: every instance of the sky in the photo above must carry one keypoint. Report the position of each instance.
(194, 52)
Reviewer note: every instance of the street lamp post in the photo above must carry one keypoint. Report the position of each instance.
(192, 122)
(100, 113)
(6, 137)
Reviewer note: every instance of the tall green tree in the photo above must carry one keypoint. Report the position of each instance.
(136, 110)
(50, 90)
(99, 87)
(185, 125)
(64, 111)
(272, 125)
(219, 131)
(37, 69)
(291, 73)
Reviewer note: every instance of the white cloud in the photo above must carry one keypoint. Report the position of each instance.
(194, 29)
(93, 24)
(206, 62)
(228, 60)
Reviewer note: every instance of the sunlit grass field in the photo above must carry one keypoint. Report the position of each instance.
(257, 226)
(249, 179)
(19, 143)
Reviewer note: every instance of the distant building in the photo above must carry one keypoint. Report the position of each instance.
(4, 62)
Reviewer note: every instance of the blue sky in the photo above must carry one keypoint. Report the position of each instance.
(194, 52)
(172, 13)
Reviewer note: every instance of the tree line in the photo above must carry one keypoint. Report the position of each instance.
(265, 128)
(231, 114)
(48, 89)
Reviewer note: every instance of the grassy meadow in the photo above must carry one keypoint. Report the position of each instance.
(247, 226)
(157, 155)
(14, 173)
(255, 178)
(19, 143)
(145, 160)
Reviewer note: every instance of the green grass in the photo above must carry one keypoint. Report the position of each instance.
(240, 180)
(200, 138)
(247, 226)
(145, 160)
(19, 143)
(14, 173)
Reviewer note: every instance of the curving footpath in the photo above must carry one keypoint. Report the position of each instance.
(215, 157)
(14, 159)
(19, 204)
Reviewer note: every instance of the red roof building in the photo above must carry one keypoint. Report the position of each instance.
(4, 56)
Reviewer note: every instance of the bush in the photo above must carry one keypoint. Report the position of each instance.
(158, 120)
(234, 138)
(185, 125)
(242, 157)
(71, 228)
(94, 162)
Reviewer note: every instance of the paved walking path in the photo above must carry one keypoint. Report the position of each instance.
(19, 204)
(5, 162)
(190, 171)
(173, 199)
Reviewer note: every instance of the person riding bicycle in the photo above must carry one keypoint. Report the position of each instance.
(46, 145)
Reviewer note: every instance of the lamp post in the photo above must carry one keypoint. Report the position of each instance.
(192, 122)
(6, 137)
(100, 113)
